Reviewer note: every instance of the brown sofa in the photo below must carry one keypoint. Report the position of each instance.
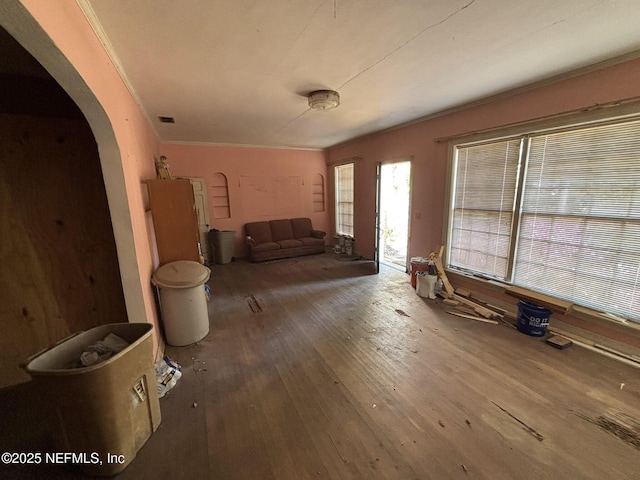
(282, 239)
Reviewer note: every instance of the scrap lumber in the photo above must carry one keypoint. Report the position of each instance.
(479, 309)
(437, 259)
(559, 342)
(546, 301)
(512, 317)
(460, 295)
(495, 308)
(443, 294)
(449, 301)
(463, 292)
(497, 311)
(465, 309)
(633, 360)
(472, 317)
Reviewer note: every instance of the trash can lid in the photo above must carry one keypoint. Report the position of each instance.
(181, 274)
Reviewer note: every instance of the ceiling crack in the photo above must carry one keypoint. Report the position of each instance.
(428, 27)
(562, 20)
(300, 33)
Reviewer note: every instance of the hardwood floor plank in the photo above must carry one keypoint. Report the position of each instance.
(316, 368)
(446, 392)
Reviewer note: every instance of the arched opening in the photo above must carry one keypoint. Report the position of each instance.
(69, 234)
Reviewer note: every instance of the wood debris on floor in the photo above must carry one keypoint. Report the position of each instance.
(464, 303)
(559, 342)
(546, 301)
(254, 305)
(472, 317)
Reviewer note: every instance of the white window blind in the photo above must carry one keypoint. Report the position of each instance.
(569, 228)
(344, 199)
(483, 203)
(580, 227)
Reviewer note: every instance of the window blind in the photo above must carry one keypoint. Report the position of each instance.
(344, 199)
(579, 235)
(483, 207)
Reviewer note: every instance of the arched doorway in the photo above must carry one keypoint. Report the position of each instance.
(28, 33)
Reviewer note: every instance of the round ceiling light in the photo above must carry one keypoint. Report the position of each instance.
(324, 99)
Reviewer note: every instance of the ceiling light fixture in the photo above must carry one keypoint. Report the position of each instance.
(324, 99)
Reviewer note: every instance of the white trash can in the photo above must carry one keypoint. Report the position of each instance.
(183, 301)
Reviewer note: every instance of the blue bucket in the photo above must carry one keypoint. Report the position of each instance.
(532, 319)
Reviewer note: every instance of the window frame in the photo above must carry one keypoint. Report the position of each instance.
(337, 200)
(599, 116)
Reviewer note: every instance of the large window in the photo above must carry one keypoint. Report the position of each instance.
(344, 199)
(557, 212)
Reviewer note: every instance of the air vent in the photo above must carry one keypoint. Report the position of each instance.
(167, 119)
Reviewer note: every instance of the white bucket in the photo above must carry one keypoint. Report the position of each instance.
(426, 285)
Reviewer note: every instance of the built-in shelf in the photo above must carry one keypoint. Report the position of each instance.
(318, 193)
(220, 196)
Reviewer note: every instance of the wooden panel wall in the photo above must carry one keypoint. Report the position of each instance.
(59, 270)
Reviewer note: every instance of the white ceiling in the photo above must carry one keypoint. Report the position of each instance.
(238, 71)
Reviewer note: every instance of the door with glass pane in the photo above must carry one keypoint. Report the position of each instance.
(394, 203)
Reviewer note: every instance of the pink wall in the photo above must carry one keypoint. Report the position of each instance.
(136, 147)
(429, 165)
(263, 184)
(429, 176)
(126, 142)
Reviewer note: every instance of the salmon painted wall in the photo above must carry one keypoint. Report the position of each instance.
(126, 142)
(263, 183)
(429, 167)
(429, 176)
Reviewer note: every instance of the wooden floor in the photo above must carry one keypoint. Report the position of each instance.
(317, 368)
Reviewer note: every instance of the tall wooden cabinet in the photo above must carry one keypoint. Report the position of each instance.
(174, 220)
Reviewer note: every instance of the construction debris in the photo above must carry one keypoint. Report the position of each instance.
(467, 310)
(559, 342)
(546, 301)
(253, 303)
(437, 259)
(479, 309)
(466, 302)
(472, 317)
(463, 292)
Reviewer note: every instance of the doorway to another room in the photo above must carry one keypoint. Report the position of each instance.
(395, 194)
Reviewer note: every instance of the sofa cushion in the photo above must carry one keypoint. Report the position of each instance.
(301, 227)
(311, 241)
(290, 243)
(281, 230)
(259, 231)
(265, 247)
